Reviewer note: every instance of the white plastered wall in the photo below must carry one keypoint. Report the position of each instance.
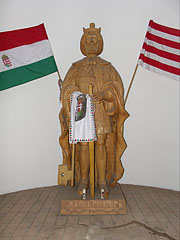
(29, 125)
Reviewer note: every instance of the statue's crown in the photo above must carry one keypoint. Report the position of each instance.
(91, 28)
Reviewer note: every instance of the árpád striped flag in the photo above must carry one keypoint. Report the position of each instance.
(25, 55)
(161, 50)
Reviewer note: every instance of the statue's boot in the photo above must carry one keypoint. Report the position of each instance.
(84, 167)
(83, 185)
(101, 164)
(103, 186)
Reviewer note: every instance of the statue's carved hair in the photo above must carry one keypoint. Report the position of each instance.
(86, 31)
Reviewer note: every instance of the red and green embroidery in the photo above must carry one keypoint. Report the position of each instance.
(79, 113)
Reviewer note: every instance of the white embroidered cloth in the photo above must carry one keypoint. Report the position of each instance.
(82, 125)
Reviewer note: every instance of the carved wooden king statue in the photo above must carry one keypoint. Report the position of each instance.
(110, 114)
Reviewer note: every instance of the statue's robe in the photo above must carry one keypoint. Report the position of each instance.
(109, 115)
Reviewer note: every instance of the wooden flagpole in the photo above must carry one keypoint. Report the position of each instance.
(130, 85)
(60, 80)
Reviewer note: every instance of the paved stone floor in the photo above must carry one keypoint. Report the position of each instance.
(152, 213)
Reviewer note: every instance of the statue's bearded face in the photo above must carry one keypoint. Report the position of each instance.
(91, 44)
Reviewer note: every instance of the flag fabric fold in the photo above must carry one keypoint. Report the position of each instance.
(25, 55)
(161, 50)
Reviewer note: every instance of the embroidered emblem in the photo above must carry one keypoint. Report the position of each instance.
(80, 107)
(6, 61)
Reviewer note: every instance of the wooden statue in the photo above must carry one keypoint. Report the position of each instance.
(110, 114)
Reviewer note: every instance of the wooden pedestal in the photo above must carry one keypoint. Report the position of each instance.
(72, 203)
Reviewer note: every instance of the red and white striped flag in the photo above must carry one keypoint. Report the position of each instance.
(161, 50)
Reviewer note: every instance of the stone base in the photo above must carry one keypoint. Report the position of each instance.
(72, 203)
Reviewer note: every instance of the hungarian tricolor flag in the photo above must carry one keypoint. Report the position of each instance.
(25, 55)
(161, 50)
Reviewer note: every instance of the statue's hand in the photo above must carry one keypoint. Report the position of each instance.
(98, 97)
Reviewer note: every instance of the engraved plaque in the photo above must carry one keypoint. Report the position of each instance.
(93, 207)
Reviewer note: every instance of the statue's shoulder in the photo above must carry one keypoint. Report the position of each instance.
(101, 61)
(80, 62)
(98, 60)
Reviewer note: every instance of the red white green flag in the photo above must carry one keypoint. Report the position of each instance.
(161, 50)
(25, 55)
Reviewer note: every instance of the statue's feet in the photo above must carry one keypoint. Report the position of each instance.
(82, 185)
(103, 189)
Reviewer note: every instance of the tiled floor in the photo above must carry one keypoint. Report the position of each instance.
(153, 213)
